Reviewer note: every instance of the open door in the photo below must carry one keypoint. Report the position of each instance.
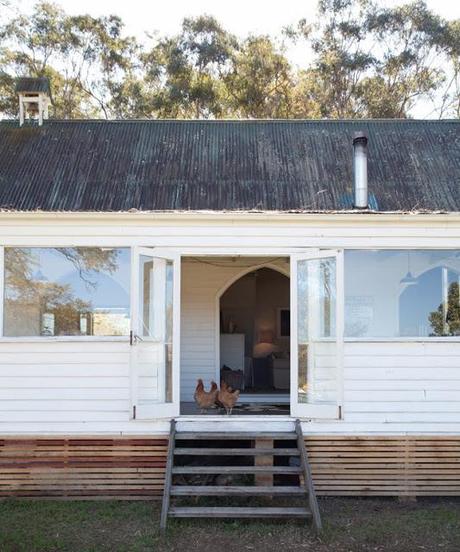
(317, 334)
(155, 333)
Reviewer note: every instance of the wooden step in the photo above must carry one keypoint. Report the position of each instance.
(187, 449)
(236, 436)
(236, 452)
(236, 469)
(238, 512)
(215, 490)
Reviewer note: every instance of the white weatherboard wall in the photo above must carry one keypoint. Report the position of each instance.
(82, 387)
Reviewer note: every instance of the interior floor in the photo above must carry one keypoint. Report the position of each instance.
(251, 409)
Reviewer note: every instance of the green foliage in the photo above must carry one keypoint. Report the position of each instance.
(84, 57)
(260, 83)
(372, 61)
(361, 60)
(446, 321)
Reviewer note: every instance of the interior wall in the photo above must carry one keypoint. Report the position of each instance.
(238, 308)
(251, 304)
(272, 293)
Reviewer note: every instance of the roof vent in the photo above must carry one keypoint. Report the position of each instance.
(34, 98)
(361, 200)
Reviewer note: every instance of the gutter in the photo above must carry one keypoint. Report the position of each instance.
(225, 217)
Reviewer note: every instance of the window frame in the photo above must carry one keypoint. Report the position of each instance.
(56, 338)
(420, 339)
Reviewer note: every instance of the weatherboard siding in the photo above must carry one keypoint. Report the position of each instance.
(82, 387)
(73, 387)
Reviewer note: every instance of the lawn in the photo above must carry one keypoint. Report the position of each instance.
(350, 525)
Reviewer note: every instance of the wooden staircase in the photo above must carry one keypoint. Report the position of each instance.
(271, 464)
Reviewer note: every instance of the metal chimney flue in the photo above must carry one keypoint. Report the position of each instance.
(360, 189)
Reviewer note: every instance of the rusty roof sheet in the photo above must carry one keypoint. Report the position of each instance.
(167, 165)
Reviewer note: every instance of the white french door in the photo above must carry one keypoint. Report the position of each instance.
(155, 333)
(316, 334)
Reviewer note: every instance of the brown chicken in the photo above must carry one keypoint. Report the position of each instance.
(227, 398)
(205, 399)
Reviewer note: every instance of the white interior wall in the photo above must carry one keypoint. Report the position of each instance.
(238, 307)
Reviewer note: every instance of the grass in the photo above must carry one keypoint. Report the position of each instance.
(377, 525)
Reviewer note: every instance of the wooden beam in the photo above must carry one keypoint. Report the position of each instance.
(168, 477)
(308, 480)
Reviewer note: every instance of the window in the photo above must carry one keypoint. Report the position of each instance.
(67, 291)
(284, 322)
(411, 293)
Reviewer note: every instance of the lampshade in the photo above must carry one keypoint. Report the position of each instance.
(408, 279)
(262, 350)
(266, 336)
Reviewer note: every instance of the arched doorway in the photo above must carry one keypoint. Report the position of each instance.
(254, 337)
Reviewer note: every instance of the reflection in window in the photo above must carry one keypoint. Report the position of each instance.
(411, 293)
(316, 331)
(66, 291)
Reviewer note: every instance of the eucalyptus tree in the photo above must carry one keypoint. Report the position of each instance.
(261, 80)
(371, 61)
(84, 57)
(407, 64)
(185, 73)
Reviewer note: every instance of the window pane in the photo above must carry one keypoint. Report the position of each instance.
(169, 329)
(66, 291)
(316, 332)
(411, 293)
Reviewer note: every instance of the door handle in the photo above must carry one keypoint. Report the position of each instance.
(134, 338)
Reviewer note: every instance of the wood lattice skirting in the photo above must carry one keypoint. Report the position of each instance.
(134, 467)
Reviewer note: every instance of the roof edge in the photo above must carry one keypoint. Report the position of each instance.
(188, 217)
(247, 121)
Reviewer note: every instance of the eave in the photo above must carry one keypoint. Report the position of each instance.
(329, 218)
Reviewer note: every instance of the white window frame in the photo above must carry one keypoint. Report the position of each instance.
(2, 287)
(160, 409)
(318, 411)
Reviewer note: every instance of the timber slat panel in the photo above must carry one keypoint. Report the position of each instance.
(83, 468)
(134, 467)
(386, 466)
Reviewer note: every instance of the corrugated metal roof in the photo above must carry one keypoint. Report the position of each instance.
(226, 165)
(33, 84)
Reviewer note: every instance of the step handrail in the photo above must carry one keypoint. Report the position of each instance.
(308, 480)
(168, 476)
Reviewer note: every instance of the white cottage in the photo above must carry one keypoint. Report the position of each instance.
(139, 256)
